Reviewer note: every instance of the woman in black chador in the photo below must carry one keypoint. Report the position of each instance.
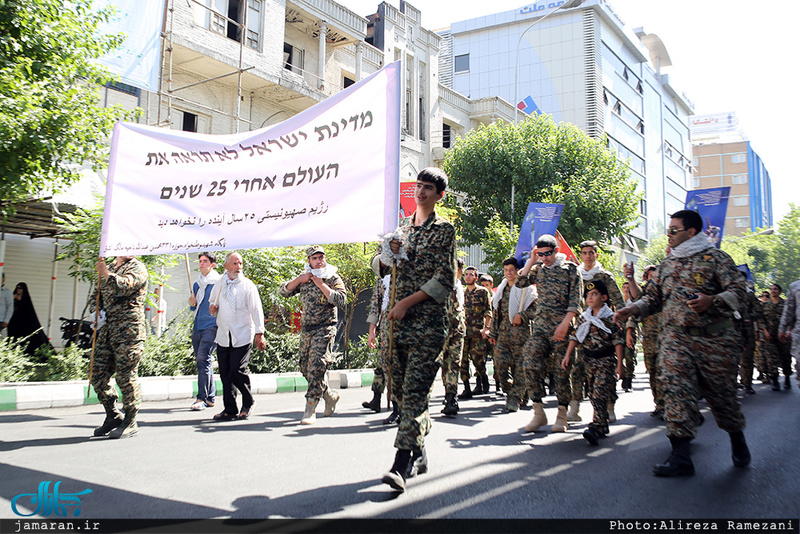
(24, 321)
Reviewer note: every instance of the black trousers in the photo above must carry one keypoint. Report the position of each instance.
(233, 362)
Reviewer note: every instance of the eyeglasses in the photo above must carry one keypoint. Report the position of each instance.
(673, 231)
(543, 254)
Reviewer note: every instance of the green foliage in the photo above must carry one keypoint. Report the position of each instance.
(70, 364)
(546, 162)
(785, 261)
(757, 251)
(280, 356)
(360, 356)
(498, 243)
(268, 268)
(654, 254)
(50, 120)
(15, 364)
(171, 354)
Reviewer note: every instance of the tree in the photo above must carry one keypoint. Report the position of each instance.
(546, 162)
(757, 252)
(787, 266)
(50, 121)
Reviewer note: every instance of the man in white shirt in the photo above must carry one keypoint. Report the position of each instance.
(237, 306)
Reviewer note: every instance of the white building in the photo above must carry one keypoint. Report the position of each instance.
(579, 63)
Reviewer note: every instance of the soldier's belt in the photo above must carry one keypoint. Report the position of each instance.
(315, 327)
(704, 330)
(607, 353)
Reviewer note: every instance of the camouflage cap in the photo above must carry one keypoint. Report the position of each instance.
(315, 249)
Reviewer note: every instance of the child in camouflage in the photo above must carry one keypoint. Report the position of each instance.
(603, 343)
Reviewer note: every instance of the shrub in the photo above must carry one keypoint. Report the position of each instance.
(280, 356)
(15, 363)
(171, 354)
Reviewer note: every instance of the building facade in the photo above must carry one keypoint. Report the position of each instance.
(579, 63)
(724, 157)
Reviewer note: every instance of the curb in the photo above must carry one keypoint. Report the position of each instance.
(40, 395)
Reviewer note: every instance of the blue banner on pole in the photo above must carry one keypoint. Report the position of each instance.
(711, 204)
(540, 219)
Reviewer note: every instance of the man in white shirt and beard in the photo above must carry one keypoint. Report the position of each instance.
(237, 306)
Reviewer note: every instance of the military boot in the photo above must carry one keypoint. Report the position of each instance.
(113, 419)
(418, 464)
(478, 389)
(498, 389)
(740, 454)
(450, 405)
(574, 411)
(310, 415)
(612, 417)
(467, 393)
(128, 428)
(375, 403)
(787, 384)
(394, 415)
(775, 385)
(396, 476)
(679, 462)
(485, 381)
(331, 397)
(561, 424)
(539, 418)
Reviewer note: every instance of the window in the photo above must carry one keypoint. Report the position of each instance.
(293, 58)
(347, 82)
(189, 122)
(742, 222)
(739, 179)
(696, 183)
(741, 201)
(409, 104)
(421, 98)
(226, 16)
(446, 135)
(462, 63)
(738, 158)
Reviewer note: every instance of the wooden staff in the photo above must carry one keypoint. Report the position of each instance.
(94, 335)
(392, 294)
(188, 270)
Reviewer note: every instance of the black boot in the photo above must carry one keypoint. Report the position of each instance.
(113, 419)
(679, 462)
(478, 390)
(418, 464)
(498, 389)
(396, 477)
(128, 428)
(394, 415)
(467, 394)
(787, 384)
(450, 405)
(375, 403)
(775, 385)
(485, 381)
(739, 451)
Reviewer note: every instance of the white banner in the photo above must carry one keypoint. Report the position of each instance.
(138, 59)
(327, 175)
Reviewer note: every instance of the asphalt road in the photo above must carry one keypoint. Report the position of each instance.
(183, 465)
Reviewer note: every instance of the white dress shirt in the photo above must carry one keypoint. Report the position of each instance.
(248, 318)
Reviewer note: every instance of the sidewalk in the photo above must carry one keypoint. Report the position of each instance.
(36, 395)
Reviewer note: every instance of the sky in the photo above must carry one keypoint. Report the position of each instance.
(727, 55)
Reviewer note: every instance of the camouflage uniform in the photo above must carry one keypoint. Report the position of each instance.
(600, 360)
(749, 310)
(318, 329)
(577, 374)
(377, 316)
(651, 326)
(453, 347)
(477, 306)
(120, 342)
(560, 291)
(509, 355)
(420, 336)
(698, 353)
(790, 322)
(776, 354)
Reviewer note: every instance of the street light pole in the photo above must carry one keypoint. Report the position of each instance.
(566, 4)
